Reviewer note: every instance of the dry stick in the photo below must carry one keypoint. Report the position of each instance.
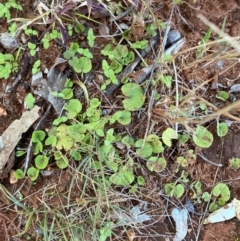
(29, 149)
(176, 84)
(207, 160)
(22, 72)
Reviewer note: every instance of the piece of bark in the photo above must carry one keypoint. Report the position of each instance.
(13, 134)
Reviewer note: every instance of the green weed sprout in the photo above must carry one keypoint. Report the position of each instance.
(221, 195)
(7, 65)
(29, 101)
(234, 163)
(36, 67)
(79, 58)
(5, 8)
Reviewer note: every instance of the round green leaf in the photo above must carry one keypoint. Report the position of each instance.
(94, 103)
(202, 137)
(169, 188)
(140, 180)
(33, 173)
(38, 136)
(73, 107)
(122, 178)
(222, 129)
(221, 190)
(167, 135)
(206, 197)
(76, 155)
(135, 96)
(51, 140)
(145, 150)
(178, 190)
(156, 164)
(128, 141)
(124, 117)
(19, 174)
(62, 162)
(82, 65)
(41, 161)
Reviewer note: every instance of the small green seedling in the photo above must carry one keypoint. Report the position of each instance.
(123, 117)
(5, 8)
(155, 143)
(41, 161)
(80, 64)
(197, 191)
(140, 44)
(36, 67)
(29, 101)
(151, 30)
(166, 79)
(206, 196)
(32, 47)
(122, 178)
(134, 96)
(61, 160)
(202, 46)
(33, 173)
(29, 31)
(182, 161)
(19, 174)
(202, 137)
(12, 28)
(221, 193)
(151, 145)
(66, 93)
(50, 36)
(7, 65)
(222, 95)
(222, 129)
(183, 138)
(37, 138)
(128, 141)
(234, 163)
(140, 180)
(106, 231)
(108, 72)
(73, 108)
(119, 57)
(168, 135)
(156, 164)
(91, 37)
(173, 189)
(144, 150)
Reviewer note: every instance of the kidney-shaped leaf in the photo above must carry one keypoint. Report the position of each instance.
(135, 96)
(202, 137)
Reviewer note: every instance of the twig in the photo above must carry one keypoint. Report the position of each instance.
(29, 149)
(24, 68)
(207, 160)
(177, 97)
